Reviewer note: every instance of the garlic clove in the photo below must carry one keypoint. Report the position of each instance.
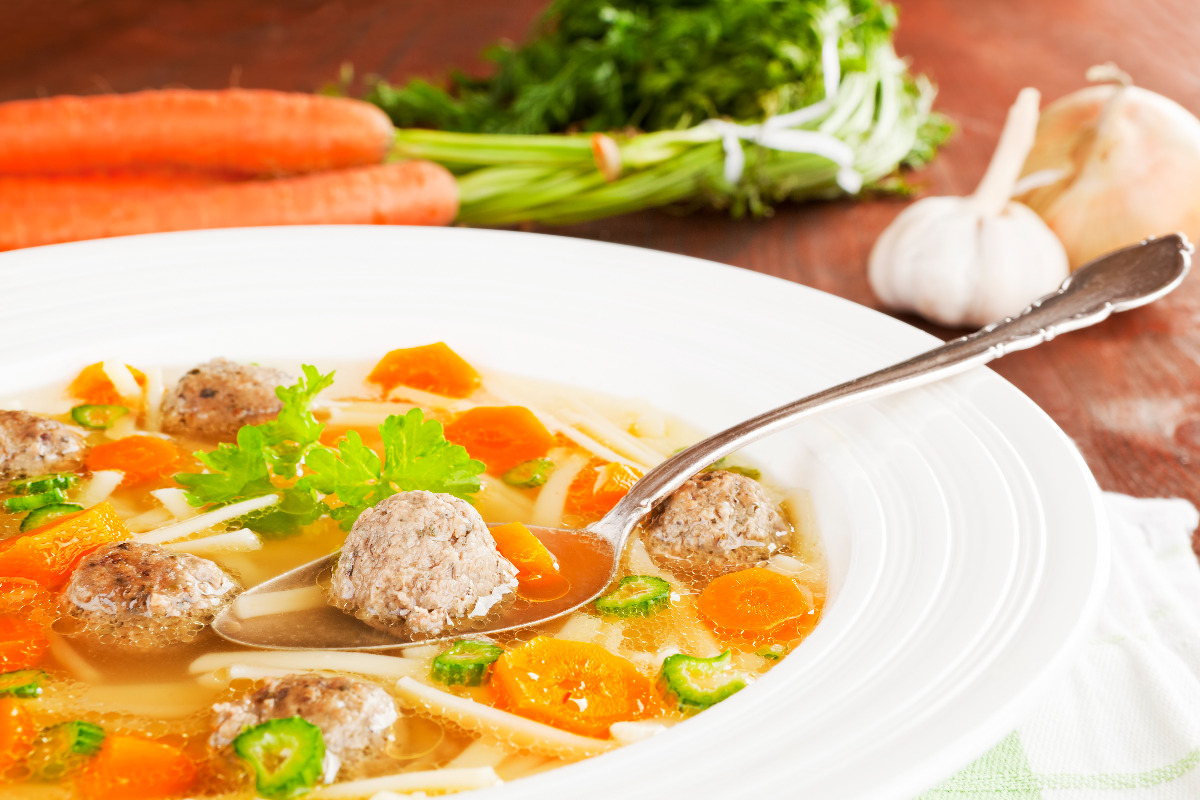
(1019, 260)
(923, 262)
(972, 260)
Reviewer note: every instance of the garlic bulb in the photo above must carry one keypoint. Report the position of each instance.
(963, 261)
(1130, 166)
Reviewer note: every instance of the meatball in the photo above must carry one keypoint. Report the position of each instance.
(146, 596)
(355, 717)
(717, 520)
(420, 561)
(33, 445)
(214, 399)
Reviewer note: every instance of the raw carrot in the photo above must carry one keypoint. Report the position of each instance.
(17, 732)
(431, 368)
(23, 643)
(22, 191)
(753, 605)
(538, 576)
(500, 436)
(92, 385)
(576, 686)
(49, 554)
(404, 193)
(132, 768)
(143, 459)
(597, 488)
(241, 130)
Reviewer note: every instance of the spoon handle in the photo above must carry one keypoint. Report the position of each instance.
(1119, 281)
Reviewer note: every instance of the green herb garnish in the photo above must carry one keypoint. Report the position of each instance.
(285, 457)
(416, 455)
(652, 75)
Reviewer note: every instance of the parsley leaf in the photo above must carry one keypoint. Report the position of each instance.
(243, 470)
(235, 471)
(290, 435)
(416, 456)
(287, 449)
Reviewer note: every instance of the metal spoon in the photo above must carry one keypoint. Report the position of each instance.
(1119, 281)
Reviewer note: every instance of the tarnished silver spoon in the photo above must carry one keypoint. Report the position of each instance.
(1119, 281)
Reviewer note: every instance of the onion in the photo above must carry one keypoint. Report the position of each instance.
(1127, 163)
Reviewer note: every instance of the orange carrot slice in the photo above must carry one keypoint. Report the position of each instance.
(132, 768)
(538, 576)
(17, 732)
(93, 385)
(23, 643)
(250, 131)
(431, 368)
(500, 436)
(752, 605)
(597, 488)
(143, 459)
(575, 686)
(49, 554)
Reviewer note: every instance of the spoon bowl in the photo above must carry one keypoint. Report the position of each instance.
(581, 554)
(1122, 280)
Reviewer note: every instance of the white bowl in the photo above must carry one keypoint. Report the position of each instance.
(967, 548)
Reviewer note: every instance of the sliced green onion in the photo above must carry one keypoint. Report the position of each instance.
(529, 474)
(63, 748)
(44, 483)
(773, 652)
(285, 754)
(98, 417)
(29, 502)
(21, 683)
(636, 596)
(694, 684)
(47, 514)
(467, 663)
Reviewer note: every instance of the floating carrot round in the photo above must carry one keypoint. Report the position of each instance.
(48, 555)
(240, 130)
(431, 368)
(752, 605)
(500, 436)
(132, 768)
(404, 193)
(23, 643)
(143, 459)
(576, 686)
(92, 385)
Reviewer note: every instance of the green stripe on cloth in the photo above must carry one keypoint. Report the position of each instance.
(1124, 780)
(1005, 772)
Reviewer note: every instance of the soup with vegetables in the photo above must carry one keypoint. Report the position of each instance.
(134, 510)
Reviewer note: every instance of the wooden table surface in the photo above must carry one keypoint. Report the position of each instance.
(1128, 392)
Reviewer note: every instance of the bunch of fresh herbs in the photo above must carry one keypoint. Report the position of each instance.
(651, 73)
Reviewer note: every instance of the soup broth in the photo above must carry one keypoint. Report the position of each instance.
(664, 635)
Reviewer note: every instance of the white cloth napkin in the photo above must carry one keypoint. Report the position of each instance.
(1125, 722)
